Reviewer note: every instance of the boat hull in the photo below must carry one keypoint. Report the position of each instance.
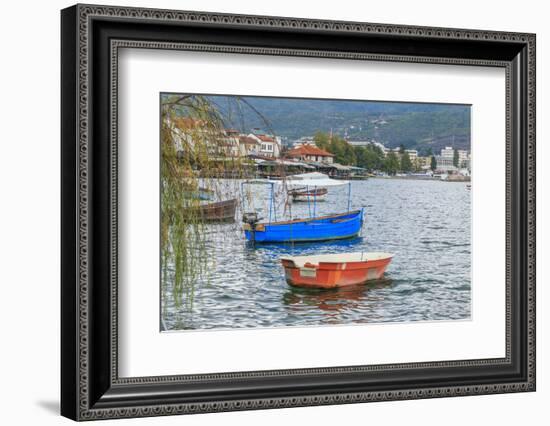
(307, 199)
(223, 211)
(328, 275)
(324, 228)
(305, 195)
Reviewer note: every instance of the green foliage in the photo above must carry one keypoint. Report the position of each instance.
(455, 158)
(433, 163)
(369, 157)
(391, 163)
(406, 165)
(194, 153)
(342, 150)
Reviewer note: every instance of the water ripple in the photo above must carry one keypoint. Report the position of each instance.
(425, 223)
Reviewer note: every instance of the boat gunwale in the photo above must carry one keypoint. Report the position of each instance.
(218, 204)
(311, 219)
(300, 261)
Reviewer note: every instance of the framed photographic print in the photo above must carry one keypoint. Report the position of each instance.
(263, 212)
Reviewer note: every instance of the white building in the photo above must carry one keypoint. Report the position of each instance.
(444, 163)
(304, 140)
(448, 152)
(463, 156)
(248, 146)
(365, 143)
(359, 143)
(270, 146)
(413, 154)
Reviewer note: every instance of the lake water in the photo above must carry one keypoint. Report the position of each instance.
(426, 224)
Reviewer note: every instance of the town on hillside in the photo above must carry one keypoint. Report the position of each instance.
(264, 154)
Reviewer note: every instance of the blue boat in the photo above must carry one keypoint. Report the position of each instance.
(321, 228)
(335, 226)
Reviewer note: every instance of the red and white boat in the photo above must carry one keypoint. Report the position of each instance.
(335, 270)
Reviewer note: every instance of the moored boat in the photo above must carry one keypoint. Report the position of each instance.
(334, 226)
(306, 194)
(222, 211)
(320, 228)
(327, 271)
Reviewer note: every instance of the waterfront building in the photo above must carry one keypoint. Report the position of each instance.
(362, 143)
(310, 153)
(248, 146)
(423, 163)
(304, 140)
(185, 129)
(463, 159)
(270, 146)
(448, 152)
(445, 163)
(365, 143)
(413, 154)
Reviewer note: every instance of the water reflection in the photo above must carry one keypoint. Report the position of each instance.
(334, 299)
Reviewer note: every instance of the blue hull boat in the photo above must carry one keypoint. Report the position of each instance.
(322, 228)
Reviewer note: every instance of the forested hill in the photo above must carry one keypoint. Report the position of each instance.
(414, 125)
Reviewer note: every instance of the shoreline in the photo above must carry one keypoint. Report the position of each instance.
(422, 178)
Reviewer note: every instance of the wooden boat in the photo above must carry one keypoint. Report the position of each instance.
(320, 228)
(222, 211)
(307, 194)
(335, 270)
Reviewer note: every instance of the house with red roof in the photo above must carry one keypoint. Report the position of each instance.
(248, 145)
(309, 152)
(270, 146)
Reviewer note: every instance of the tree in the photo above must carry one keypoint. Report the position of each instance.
(193, 151)
(322, 141)
(342, 150)
(369, 157)
(455, 158)
(391, 163)
(433, 164)
(406, 165)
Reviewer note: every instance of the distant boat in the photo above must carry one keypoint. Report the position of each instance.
(222, 211)
(321, 228)
(328, 271)
(307, 195)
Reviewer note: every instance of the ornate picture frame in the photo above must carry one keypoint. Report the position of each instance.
(91, 37)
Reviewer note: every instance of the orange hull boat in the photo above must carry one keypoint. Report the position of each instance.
(335, 270)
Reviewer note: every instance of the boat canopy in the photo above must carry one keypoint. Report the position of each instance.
(310, 179)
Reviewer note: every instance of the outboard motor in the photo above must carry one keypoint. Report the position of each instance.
(252, 220)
